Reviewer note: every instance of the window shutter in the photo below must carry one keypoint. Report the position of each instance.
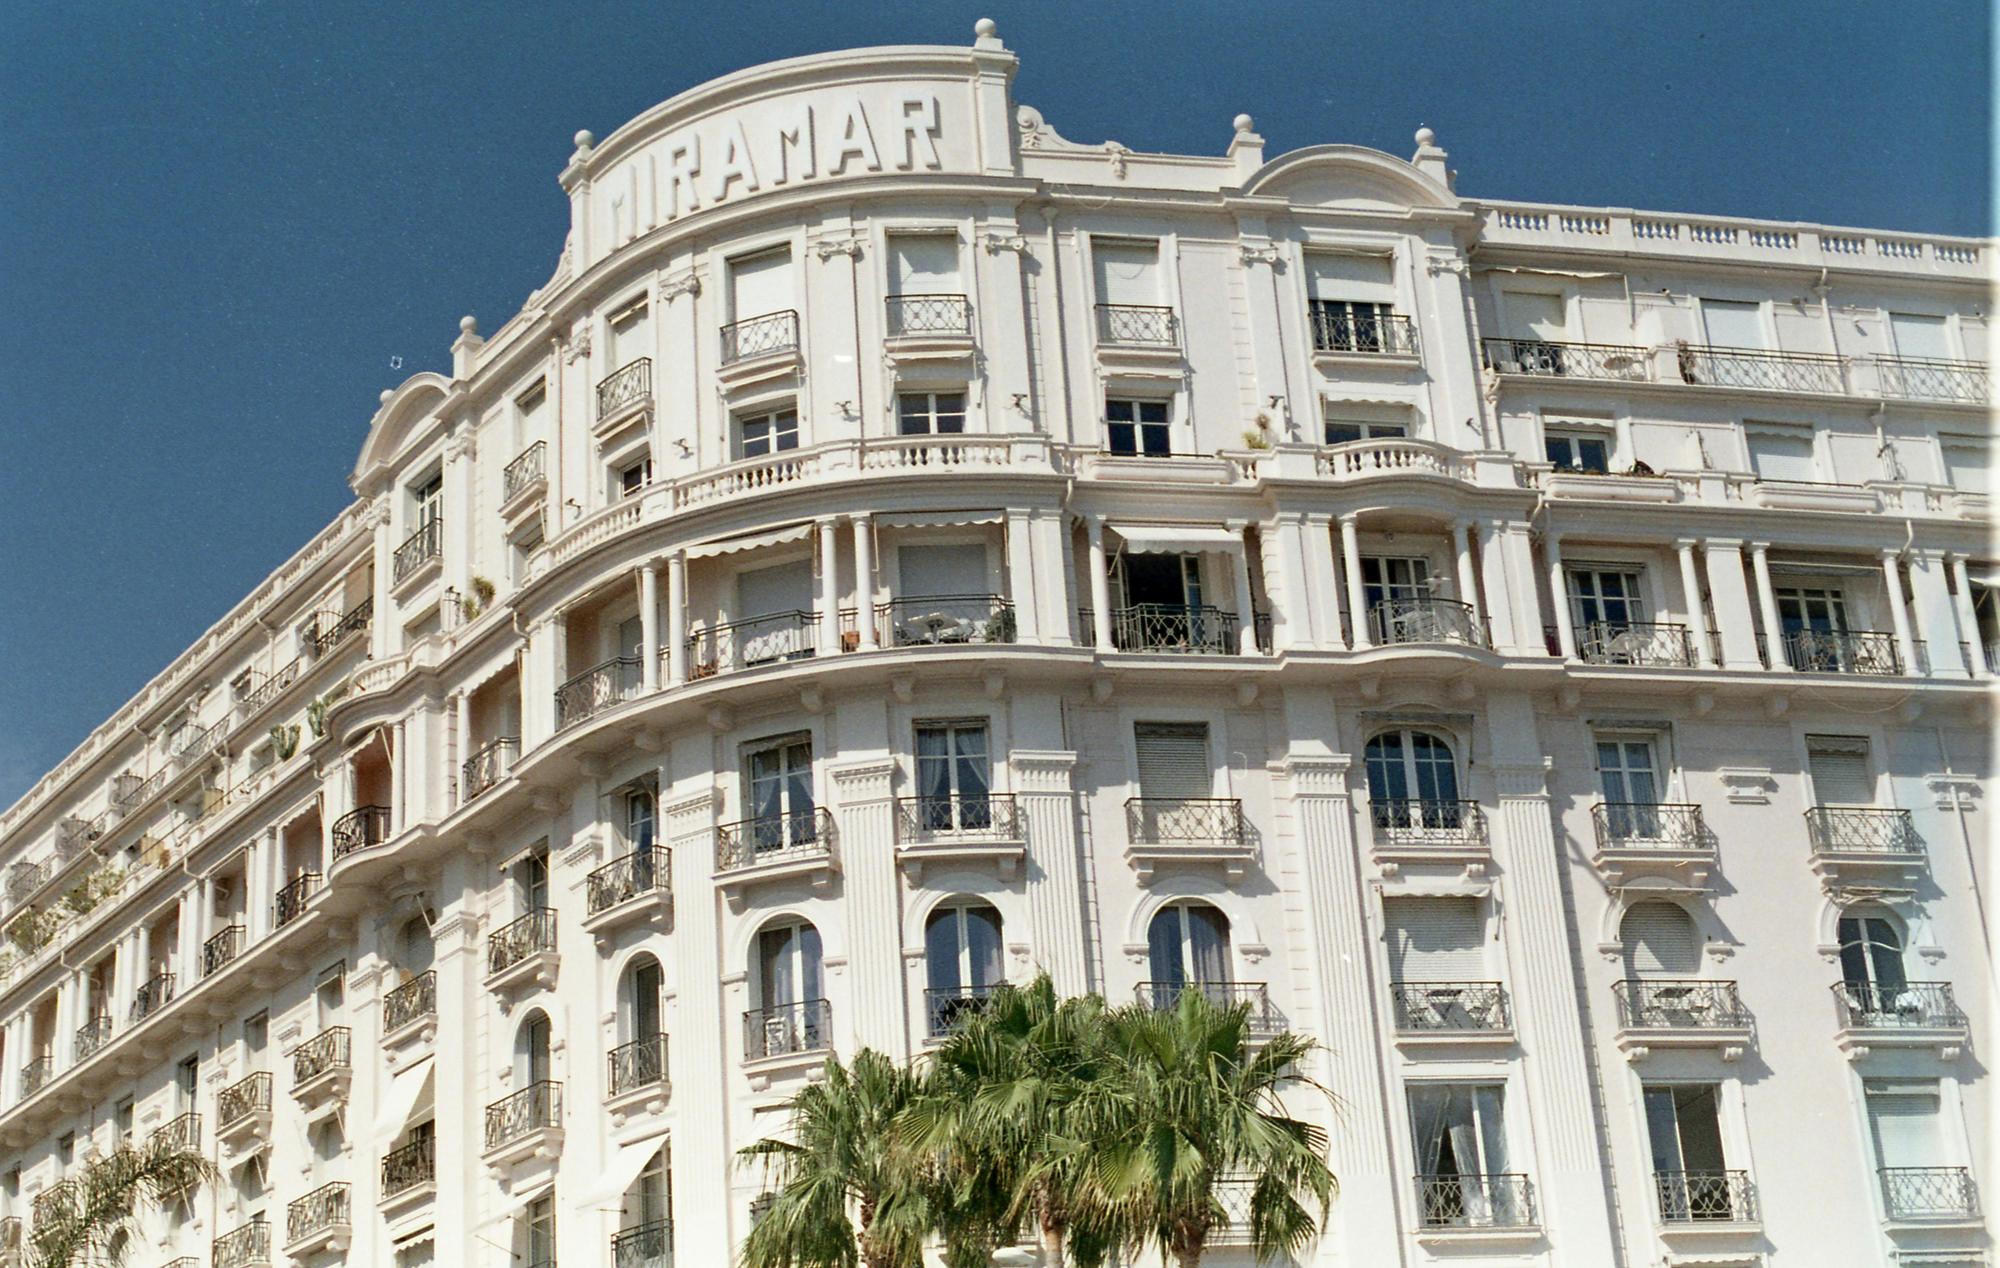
(1127, 272)
(1659, 939)
(1358, 278)
(1781, 455)
(785, 588)
(924, 264)
(927, 571)
(1173, 760)
(760, 285)
(1840, 774)
(1732, 323)
(1919, 335)
(1436, 940)
(1531, 315)
(1905, 1121)
(1968, 468)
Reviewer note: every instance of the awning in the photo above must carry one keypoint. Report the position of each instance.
(623, 1169)
(752, 541)
(406, 1089)
(518, 1203)
(940, 519)
(1810, 568)
(1172, 539)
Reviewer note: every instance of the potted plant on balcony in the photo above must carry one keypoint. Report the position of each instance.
(1000, 627)
(285, 741)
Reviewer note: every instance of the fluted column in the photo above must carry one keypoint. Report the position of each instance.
(706, 1042)
(1043, 782)
(649, 627)
(1697, 620)
(1968, 618)
(829, 588)
(878, 1014)
(381, 623)
(864, 580)
(399, 778)
(462, 706)
(1559, 597)
(1899, 612)
(1937, 623)
(1100, 584)
(1322, 580)
(677, 621)
(1767, 607)
(1239, 571)
(1357, 593)
(1020, 588)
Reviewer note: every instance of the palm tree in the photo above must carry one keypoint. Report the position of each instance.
(80, 1220)
(843, 1196)
(1194, 1107)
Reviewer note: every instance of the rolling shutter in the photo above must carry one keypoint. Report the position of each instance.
(760, 285)
(1732, 323)
(1356, 278)
(1127, 272)
(924, 264)
(1776, 455)
(1532, 315)
(1436, 939)
(1904, 1116)
(1919, 335)
(1840, 774)
(1173, 760)
(1659, 939)
(926, 571)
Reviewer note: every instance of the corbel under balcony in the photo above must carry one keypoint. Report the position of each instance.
(246, 1137)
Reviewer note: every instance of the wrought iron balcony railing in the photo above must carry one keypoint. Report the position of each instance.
(414, 999)
(1870, 652)
(786, 1029)
(1904, 1006)
(1649, 826)
(1253, 997)
(644, 871)
(756, 640)
(181, 1132)
(760, 336)
(644, 1246)
(92, 1035)
(359, 829)
(329, 1050)
(1144, 325)
(1565, 360)
(36, 1073)
(597, 689)
(418, 549)
(273, 685)
(1862, 830)
(243, 1098)
(1645, 643)
(1423, 1007)
(512, 943)
(945, 618)
(771, 838)
(292, 899)
(536, 1107)
(925, 820)
(1929, 1193)
(1418, 822)
(337, 628)
(624, 387)
(488, 766)
(1695, 1197)
(946, 1008)
(1679, 1004)
(1476, 1201)
(324, 1208)
(1174, 627)
(641, 1063)
(1340, 331)
(155, 993)
(530, 465)
(409, 1167)
(1424, 620)
(1185, 821)
(245, 1247)
(1930, 379)
(222, 946)
(1764, 371)
(929, 315)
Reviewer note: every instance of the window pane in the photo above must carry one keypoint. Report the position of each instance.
(941, 948)
(982, 938)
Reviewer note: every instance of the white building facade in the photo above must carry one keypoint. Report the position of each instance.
(902, 549)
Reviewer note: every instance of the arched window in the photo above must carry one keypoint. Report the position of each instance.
(1413, 781)
(531, 1050)
(962, 961)
(793, 1013)
(1187, 945)
(1871, 950)
(1660, 941)
(640, 1059)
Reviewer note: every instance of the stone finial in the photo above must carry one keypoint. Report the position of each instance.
(986, 34)
(1430, 159)
(1246, 147)
(1244, 123)
(1425, 137)
(387, 392)
(468, 325)
(584, 140)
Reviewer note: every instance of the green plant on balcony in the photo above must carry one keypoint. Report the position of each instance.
(91, 892)
(316, 714)
(1000, 627)
(7, 959)
(482, 589)
(33, 929)
(285, 741)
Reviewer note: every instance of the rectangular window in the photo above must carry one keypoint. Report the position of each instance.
(1627, 772)
(121, 1116)
(1460, 1136)
(634, 476)
(1435, 939)
(523, 548)
(539, 1233)
(1352, 298)
(1138, 428)
(1384, 578)
(924, 264)
(778, 778)
(1812, 619)
(531, 879)
(65, 1152)
(529, 408)
(1578, 451)
(1127, 273)
(940, 571)
(1920, 335)
(625, 334)
(758, 435)
(1534, 315)
(1968, 465)
(1173, 760)
(927, 413)
(1684, 1130)
(639, 818)
(788, 964)
(760, 285)
(1903, 1118)
(1344, 431)
(1612, 597)
(187, 1082)
(1840, 770)
(1781, 454)
(1732, 323)
(427, 500)
(256, 1031)
(954, 776)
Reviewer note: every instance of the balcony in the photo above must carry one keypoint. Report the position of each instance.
(787, 1030)
(153, 994)
(1173, 627)
(1187, 830)
(1869, 652)
(319, 1221)
(525, 1126)
(292, 899)
(525, 476)
(964, 829)
(638, 1082)
(1929, 1194)
(1556, 359)
(597, 689)
(758, 640)
(771, 847)
(1419, 831)
(1451, 1011)
(948, 1007)
(644, 1246)
(222, 947)
(410, 1010)
(92, 1035)
(273, 686)
(1338, 331)
(337, 629)
(1680, 1013)
(921, 328)
(360, 829)
(1424, 620)
(321, 1070)
(624, 392)
(181, 1132)
(1648, 644)
(1137, 325)
(245, 1247)
(419, 551)
(631, 889)
(1904, 1015)
(772, 335)
(937, 620)
(1753, 369)
(1473, 1202)
(1929, 379)
(521, 956)
(1862, 844)
(243, 1117)
(410, 1173)
(1652, 837)
(488, 766)
(1382, 457)
(1254, 998)
(1705, 1197)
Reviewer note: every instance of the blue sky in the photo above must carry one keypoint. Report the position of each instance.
(221, 224)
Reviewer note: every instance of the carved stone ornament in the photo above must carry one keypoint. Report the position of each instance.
(1266, 254)
(685, 282)
(995, 243)
(579, 343)
(827, 248)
